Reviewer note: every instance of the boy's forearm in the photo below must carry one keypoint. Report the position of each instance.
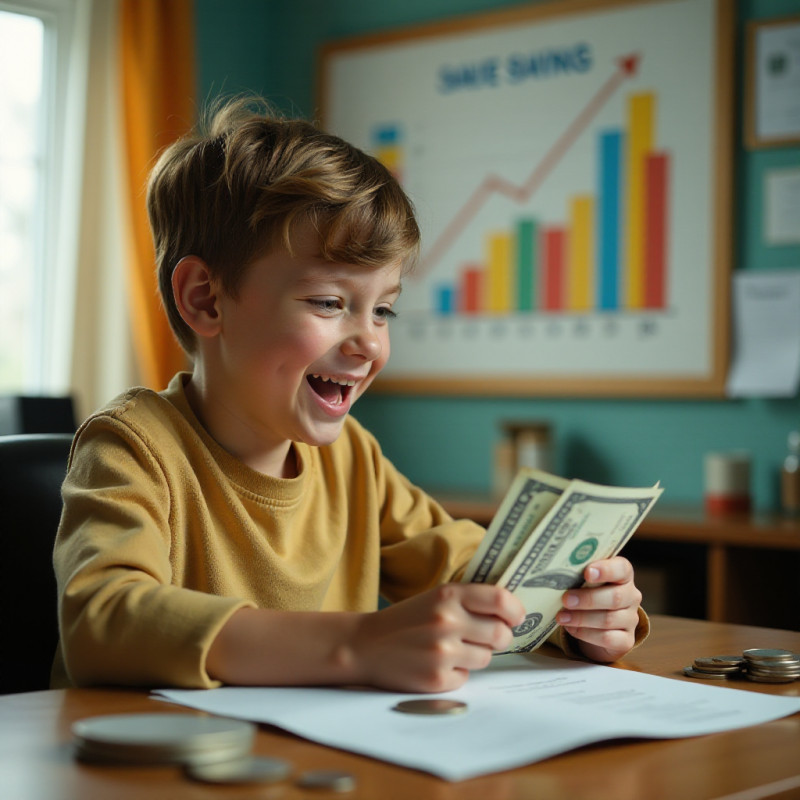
(259, 647)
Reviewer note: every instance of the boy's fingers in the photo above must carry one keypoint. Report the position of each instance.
(608, 596)
(609, 570)
(493, 601)
(624, 619)
(490, 635)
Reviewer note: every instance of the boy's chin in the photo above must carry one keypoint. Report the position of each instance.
(326, 434)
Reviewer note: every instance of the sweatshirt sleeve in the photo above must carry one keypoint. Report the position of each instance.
(422, 546)
(122, 620)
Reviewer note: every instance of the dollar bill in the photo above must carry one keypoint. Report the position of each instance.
(531, 495)
(545, 532)
(586, 523)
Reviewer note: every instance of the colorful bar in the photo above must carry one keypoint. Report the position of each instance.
(498, 273)
(471, 290)
(390, 157)
(526, 265)
(580, 288)
(608, 220)
(641, 113)
(386, 134)
(554, 243)
(656, 230)
(445, 300)
(387, 140)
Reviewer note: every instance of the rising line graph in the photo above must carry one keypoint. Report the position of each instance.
(520, 193)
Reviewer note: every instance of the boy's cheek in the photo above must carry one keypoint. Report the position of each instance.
(377, 366)
(381, 361)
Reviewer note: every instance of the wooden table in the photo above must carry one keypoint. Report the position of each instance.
(36, 761)
(749, 563)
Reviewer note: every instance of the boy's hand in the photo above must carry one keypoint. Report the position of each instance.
(603, 617)
(429, 643)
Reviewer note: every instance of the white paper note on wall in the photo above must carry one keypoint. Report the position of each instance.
(782, 207)
(766, 334)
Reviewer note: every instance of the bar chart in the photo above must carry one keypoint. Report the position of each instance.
(610, 253)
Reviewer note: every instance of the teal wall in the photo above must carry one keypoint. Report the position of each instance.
(270, 46)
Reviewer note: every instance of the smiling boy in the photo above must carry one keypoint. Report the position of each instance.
(285, 361)
(239, 526)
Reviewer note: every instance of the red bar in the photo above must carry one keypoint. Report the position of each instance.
(554, 241)
(471, 292)
(656, 230)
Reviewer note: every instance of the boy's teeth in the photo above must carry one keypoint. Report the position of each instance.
(333, 380)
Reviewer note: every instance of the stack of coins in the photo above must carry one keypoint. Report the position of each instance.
(761, 665)
(161, 739)
(772, 666)
(211, 749)
(715, 667)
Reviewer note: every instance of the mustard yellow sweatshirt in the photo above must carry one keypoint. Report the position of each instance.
(164, 535)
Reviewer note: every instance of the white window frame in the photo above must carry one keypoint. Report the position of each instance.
(53, 291)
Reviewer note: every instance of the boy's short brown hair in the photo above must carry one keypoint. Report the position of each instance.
(233, 189)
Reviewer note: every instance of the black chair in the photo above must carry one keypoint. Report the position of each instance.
(32, 468)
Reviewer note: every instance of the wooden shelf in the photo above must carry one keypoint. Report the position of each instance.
(749, 564)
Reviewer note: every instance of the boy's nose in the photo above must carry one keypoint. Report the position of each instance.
(363, 342)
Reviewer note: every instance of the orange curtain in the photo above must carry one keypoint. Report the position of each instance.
(158, 84)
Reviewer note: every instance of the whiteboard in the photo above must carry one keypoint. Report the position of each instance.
(570, 168)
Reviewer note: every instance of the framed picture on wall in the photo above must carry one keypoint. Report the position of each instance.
(570, 164)
(772, 83)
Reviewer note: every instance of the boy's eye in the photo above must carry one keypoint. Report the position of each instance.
(325, 303)
(385, 313)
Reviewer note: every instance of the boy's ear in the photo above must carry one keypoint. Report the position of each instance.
(195, 293)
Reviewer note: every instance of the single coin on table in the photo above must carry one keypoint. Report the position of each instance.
(252, 769)
(431, 705)
(331, 780)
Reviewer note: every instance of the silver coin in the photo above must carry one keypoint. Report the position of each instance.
(728, 660)
(330, 779)
(431, 705)
(769, 654)
(709, 676)
(253, 769)
(711, 665)
(779, 673)
(756, 678)
(789, 663)
(766, 663)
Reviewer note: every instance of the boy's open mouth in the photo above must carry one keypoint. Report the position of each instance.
(333, 390)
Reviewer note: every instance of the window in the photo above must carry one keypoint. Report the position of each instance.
(22, 173)
(33, 39)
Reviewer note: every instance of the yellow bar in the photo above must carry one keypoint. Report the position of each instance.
(390, 157)
(580, 271)
(641, 113)
(498, 273)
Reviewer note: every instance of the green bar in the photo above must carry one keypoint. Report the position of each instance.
(526, 265)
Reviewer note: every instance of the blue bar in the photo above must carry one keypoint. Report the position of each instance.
(445, 300)
(608, 220)
(386, 134)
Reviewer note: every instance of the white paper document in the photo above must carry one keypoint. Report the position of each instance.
(782, 206)
(766, 334)
(522, 709)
